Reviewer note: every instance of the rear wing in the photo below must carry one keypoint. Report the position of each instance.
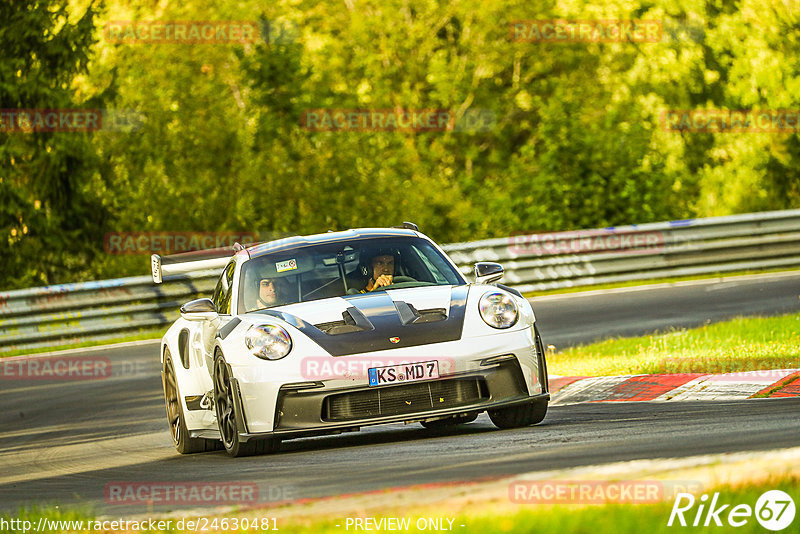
(189, 262)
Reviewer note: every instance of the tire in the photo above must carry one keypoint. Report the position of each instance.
(527, 414)
(519, 416)
(177, 422)
(449, 422)
(225, 408)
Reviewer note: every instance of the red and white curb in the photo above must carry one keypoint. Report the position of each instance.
(675, 387)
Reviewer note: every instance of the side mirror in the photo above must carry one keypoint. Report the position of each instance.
(199, 310)
(487, 272)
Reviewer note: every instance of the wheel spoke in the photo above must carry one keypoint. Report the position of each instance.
(173, 415)
(221, 376)
(230, 428)
(229, 422)
(170, 378)
(172, 401)
(223, 401)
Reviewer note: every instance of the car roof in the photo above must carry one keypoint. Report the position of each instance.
(357, 234)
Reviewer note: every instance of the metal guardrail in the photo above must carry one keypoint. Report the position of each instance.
(540, 262)
(68, 313)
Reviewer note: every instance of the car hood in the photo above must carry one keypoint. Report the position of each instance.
(381, 320)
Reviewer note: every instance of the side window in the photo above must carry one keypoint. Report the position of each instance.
(223, 291)
(217, 297)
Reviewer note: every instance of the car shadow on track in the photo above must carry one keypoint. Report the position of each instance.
(383, 435)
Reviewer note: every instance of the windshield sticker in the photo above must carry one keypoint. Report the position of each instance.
(288, 265)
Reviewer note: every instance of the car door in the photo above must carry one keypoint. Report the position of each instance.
(202, 344)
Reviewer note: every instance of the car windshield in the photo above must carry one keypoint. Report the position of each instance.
(340, 268)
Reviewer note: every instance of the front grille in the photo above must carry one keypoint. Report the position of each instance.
(405, 399)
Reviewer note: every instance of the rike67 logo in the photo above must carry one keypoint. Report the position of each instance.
(774, 510)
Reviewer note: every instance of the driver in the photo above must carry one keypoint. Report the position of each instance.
(267, 293)
(382, 269)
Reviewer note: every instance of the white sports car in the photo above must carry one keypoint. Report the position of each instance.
(327, 333)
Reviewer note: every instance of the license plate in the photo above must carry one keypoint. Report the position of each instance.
(406, 372)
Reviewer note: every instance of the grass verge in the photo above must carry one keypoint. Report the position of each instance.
(627, 519)
(486, 519)
(137, 336)
(742, 344)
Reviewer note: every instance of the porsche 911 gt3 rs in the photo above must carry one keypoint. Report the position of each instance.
(332, 332)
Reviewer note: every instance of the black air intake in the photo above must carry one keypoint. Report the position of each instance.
(405, 399)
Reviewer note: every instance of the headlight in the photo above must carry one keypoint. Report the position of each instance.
(498, 310)
(268, 342)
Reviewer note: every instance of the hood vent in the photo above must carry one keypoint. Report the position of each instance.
(373, 319)
(410, 315)
(352, 321)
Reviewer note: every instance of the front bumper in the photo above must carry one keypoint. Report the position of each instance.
(305, 412)
(264, 385)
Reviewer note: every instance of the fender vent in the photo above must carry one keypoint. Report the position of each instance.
(183, 347)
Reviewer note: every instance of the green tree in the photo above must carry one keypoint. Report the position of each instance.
(51, 219)
(576, 140)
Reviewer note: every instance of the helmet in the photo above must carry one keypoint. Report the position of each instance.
(367, 254)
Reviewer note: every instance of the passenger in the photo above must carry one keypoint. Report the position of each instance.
(267, 293)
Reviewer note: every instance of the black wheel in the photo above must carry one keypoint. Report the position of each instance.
(519, 416)
(177, 424)
(226, 416)
(450, 421)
